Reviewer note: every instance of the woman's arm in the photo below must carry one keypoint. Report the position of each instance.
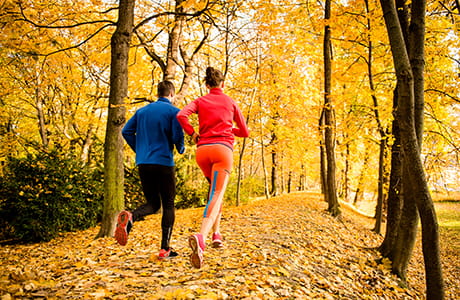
(241, 130)
(183, 115)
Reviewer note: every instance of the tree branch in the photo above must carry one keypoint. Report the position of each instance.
(77, 45)
(26, 19)
(444, 94)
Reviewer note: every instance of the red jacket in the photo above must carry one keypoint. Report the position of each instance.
(216, 114)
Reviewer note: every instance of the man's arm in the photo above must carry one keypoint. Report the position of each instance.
(129, 132)
(177, 135)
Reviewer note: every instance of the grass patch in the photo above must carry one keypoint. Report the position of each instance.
(448, 214)
(446, 196)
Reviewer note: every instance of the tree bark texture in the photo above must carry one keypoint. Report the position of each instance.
(394, 202)
(113, 147)
(333, 203)
(174, 42)
(407, 115)
(273, 187)
(322, 155)
(41, 119)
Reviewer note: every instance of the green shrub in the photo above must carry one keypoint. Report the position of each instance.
(134, 196)
(192, 187)
(46, 194)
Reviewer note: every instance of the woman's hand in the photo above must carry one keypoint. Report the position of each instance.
(195, 138)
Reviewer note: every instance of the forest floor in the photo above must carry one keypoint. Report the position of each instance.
(286, 247)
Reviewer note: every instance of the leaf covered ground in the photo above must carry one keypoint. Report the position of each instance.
(282, 248)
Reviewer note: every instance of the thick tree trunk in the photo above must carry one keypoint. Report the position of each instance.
(394, 202)
(333, 203)
(113, 147)
(401, 251)
(174, 41)
(411, 131)
(425, 206)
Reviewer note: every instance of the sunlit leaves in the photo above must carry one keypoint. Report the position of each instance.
(284, 247)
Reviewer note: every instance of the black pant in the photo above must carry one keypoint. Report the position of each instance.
(159, 186)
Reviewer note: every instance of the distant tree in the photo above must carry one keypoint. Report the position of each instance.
(328, 123)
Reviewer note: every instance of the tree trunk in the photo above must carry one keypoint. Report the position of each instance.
(262, 153)
(243, 147)
(172, 56)
(322, 156)
(425, 206)
(411, 131)
(113, 147)
(346, 172)
(394, 202)
(381, 130)
(401, 251)
(273, 188)
(381, 193)
(361, 177)
(333, 204)
(41, 119)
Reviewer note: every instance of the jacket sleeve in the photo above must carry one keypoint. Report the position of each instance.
(177, 135)
(183, 115)
(241, 130)
(129, 132)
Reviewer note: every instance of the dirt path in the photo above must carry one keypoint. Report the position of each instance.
(285, 247)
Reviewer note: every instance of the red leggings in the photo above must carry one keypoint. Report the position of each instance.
(215, 160)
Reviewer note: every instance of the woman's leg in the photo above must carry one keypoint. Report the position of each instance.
(216, 163)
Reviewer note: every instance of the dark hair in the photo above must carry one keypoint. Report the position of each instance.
(165, 88)
(213, 77)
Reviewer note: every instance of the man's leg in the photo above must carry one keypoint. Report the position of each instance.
(151, 188)
(168, 194)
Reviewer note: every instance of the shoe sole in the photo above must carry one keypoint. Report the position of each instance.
(169, 256)
(121, 235)
(166, 257)
(196, 258)
(217, 244)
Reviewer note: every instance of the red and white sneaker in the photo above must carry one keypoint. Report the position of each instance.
(167, 254)
(196, 243)
(217, 240)
(124, 225)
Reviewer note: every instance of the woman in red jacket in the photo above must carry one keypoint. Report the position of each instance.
(214, 154)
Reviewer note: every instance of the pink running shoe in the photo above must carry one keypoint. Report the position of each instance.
(217, 240)
(124, 225)
(197, 245)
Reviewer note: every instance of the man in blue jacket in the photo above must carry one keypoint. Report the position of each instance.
(152, 133)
